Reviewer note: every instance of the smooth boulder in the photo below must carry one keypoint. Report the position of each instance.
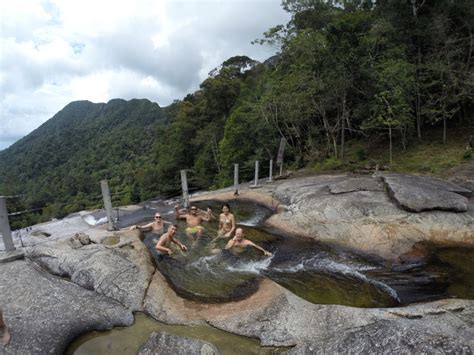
(359, 213)
(121, 272)
(45, 313)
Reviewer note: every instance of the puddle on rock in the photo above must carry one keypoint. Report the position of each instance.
(127, 341)
(110, 240)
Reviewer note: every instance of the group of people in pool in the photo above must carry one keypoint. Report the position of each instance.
(194, 230)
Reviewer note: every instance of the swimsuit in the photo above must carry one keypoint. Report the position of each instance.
(194, 230)
(226, 225)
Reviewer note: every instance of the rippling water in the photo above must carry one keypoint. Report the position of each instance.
(311, 270)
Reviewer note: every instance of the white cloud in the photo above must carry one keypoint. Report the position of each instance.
(53, 52)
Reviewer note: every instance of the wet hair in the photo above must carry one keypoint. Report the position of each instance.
(173, 225)
(225, 205)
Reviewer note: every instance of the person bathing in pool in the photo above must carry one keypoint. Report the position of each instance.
(158, 225)
(226, 222)
(164, 244)
(193, 219)
(239, 243)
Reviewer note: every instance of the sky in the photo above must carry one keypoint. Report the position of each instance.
(53, 52)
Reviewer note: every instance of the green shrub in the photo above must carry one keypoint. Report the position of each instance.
(361, 154)
(467, 153)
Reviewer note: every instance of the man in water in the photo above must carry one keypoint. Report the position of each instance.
(240, 243)
(193, 220)
(164, 244)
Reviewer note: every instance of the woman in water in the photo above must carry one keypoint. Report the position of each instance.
(226, 222)
(157, 226)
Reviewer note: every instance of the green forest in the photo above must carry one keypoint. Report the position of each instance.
(353, 84)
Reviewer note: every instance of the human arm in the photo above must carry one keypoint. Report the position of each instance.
(266, 253)
(207, 216)
(141, 228)
(178, 213)
(178, 243)
(230, 244)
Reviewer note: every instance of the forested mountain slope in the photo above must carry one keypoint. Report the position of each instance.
(62, 162)
(354, 83)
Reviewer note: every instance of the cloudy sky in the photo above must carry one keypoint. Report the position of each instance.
(53, 52)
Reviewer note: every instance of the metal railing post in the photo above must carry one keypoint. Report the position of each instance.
(236, 179)
(270, 174)
(256, 173)
(5, 225)
(184, 185)
(104, 186)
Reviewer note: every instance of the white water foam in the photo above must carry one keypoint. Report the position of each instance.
(206, 263)
(89, 219)
(328, 265)
(253, 267)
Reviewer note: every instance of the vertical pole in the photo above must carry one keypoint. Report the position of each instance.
(5, 225)
(281, 169)
(256, 173)
(104, 186)
(184, 185)
(236, 179)
(270, 175)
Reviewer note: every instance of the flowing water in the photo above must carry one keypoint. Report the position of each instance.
(314, 271)
(311, 270)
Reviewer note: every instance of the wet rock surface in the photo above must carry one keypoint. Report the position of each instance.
(279, 318)
(169, 344)
(121, 272)
(44, 313)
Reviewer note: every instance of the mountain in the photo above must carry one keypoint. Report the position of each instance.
(82, 144)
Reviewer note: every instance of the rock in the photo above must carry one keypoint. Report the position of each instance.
(122, 274)
(366, 218)
(386, 337)
(355, 184)
(79, 240)
(164, 343)
(279, 318)
(417, 193)
(45, 313)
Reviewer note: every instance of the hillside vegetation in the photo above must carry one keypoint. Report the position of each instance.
(353, 85)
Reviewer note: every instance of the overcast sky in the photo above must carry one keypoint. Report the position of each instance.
(53, 52)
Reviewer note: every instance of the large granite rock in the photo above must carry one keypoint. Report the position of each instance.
(426, 193)
(121, 272)
(279, 318)
(45, 313)
(358, 212)
(164, 343)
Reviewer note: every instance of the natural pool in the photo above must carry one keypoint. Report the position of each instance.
(311, 270)
(127, 340)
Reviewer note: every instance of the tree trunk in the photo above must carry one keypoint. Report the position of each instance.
(343, 125)
(444, 129)
(390, 137)
(215, 153)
